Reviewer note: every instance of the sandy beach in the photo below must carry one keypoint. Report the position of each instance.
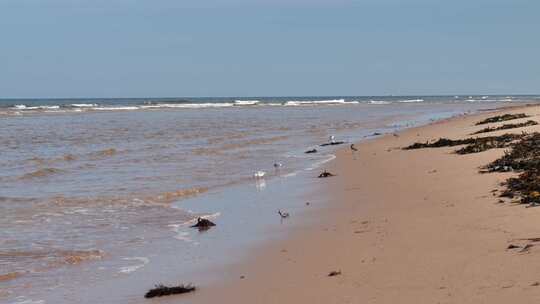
(415, 226)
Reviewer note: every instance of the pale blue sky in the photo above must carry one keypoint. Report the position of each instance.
(141, 48)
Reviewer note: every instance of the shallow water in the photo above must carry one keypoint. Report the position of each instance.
(93, 197)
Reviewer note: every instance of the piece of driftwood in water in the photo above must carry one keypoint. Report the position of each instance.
(311, 151)
(203, 223)
(499, 118)
(507, 126)
(333, 143)
(162, 290)
(325, 174)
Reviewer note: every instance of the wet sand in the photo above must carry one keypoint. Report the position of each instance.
(419, 226)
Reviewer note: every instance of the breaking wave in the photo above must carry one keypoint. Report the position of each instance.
(411, 100)
(245, 102)
(319, 102)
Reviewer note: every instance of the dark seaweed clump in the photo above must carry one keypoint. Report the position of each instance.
(333, 143)
(499, 118)
(473, 145)
(524, 157)
(162, 290)
(507, 126)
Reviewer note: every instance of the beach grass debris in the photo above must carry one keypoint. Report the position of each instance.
(203, 224)
(325, 174)
(161, 290)
(507, 126)
(311, 151)
(526, 248)
(472, 144)
(334, 273)
(500, 118)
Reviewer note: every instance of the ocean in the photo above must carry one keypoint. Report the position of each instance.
(101, 192)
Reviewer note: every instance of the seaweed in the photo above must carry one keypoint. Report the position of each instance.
(473, 144)
(333, 143)
(162, 290)
(325, 174)
(499, 118)
(507, 126)
(203, 224)
(524, 157)
(334, 273)
(311, 151)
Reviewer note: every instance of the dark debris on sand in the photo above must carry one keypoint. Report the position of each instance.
(524, 157)
(311, 151)
(332, 143)
(473, 144)
(161, 290)
(499, 118)
(507, 126)
(325, 174)
(334, 273)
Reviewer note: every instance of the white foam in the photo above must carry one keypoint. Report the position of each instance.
(314, 102)
(22, 300)
(25, 107)
(84, 105)
(322, 162)
(411, 100)
(189, 105)
(246, 102)
(115, 108)
(378, 102)
(133, 268)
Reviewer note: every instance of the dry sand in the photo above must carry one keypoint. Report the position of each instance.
(418, 226)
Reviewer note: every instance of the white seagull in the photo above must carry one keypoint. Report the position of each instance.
(259, 174)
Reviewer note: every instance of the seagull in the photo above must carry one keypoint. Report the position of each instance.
(353, 147)
(332, 138)
(259, 174)
(278, 165)
(283, 214)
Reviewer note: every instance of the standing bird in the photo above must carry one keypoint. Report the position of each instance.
(278, 165)
(332, 138)
(353, 148)
(283, 214)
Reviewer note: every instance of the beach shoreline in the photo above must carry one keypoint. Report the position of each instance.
(401, 226)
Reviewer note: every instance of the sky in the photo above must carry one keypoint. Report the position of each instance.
(181, 48)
